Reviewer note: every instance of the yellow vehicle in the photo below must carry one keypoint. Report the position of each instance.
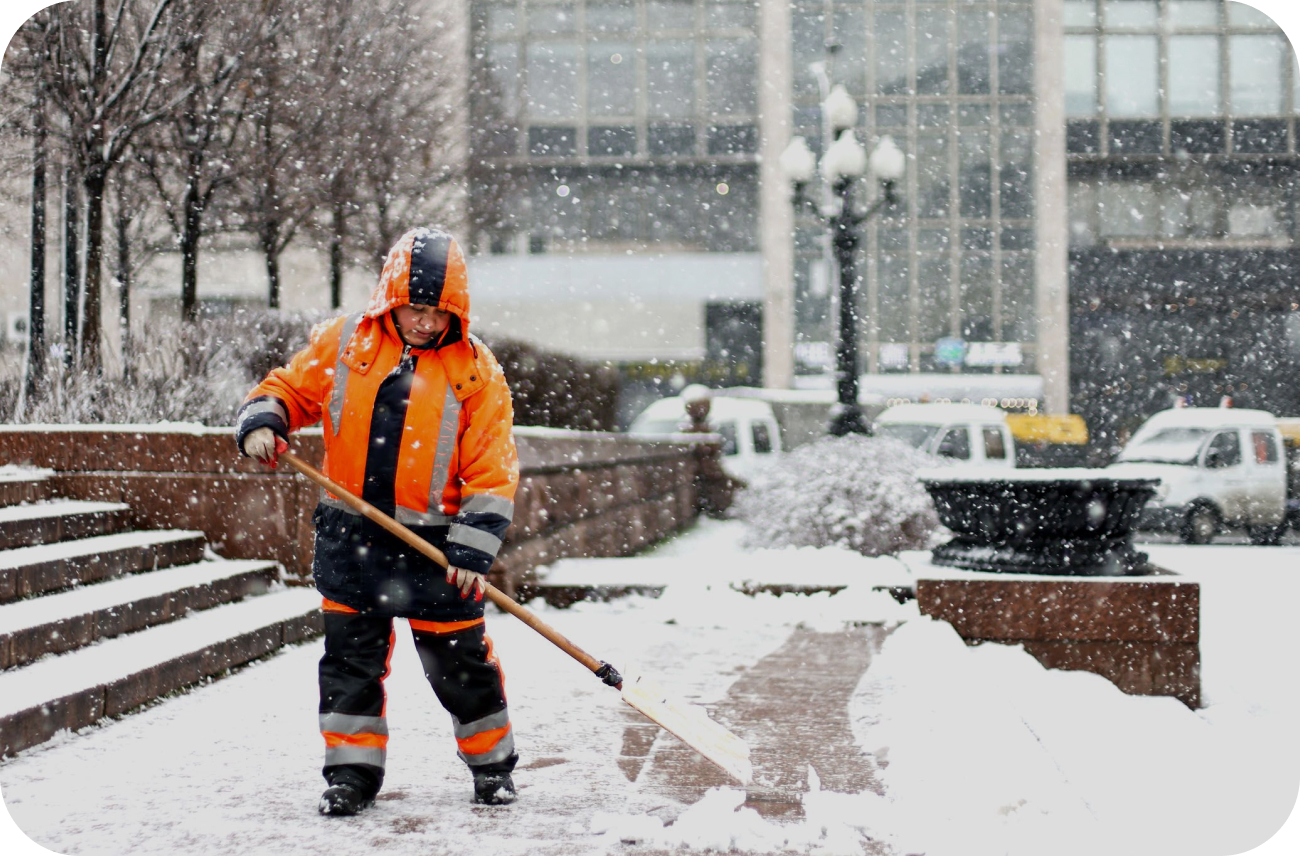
(1048, 440)
(1290, 428)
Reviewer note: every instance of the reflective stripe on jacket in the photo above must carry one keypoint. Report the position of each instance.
(456, 465)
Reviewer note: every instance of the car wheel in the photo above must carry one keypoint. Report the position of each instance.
(1200, 525)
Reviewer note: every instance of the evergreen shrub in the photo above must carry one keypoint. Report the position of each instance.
(855, 492)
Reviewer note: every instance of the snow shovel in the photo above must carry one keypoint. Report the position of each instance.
(688, 723)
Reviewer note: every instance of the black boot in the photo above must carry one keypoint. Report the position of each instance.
(343, 800)
(493, 788)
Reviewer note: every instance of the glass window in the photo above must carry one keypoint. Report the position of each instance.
(975, 189)
(1241, 15)
(670, 79)
(1224, 450)
(561, 141)
(552, 80)
(762, 438)
(851, 62)
(1265, 447)
(1080, 75)
(730, 16)
(1131, 14)
(1081, 13)
(670, 14)
(1015, 53)
(955, 444)
(995, 449)
(552, 18)
(1249, 220)
(1017, 174)
(1128, 210)
(890, 37)
(671, 139)
(1132, 76)
(1256, 74)
(932, 51)
(732, 75)
(611, 79)
(611, 16)
(503, 76)
(893, 296)
(502, 21)
(1192, 13)
(1194, 66)
(932, 115)
(934, 290)
(1019, 311)
(891, 115)
(973, 52)
(977, 297)
(932, 176)
(608, 142)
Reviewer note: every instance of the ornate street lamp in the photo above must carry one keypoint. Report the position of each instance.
(844, 162)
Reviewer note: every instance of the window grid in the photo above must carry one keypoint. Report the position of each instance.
(584, 37)
(1240, 134)
(1004, 319)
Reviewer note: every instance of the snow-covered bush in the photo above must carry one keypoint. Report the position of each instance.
(201, 372)
(177, 372)
(856, 492)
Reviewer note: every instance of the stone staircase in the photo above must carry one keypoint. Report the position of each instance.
(97, 620)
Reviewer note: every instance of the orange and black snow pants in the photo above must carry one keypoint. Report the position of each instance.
(461, 667)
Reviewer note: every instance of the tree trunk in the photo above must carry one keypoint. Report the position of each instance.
(124, 281)
(93, 182)
(270, 237)
(92, 317)
(191, 203)
(336, 256)
(71, 277)
(36, 306)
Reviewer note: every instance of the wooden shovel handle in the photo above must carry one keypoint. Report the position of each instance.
(494, 594)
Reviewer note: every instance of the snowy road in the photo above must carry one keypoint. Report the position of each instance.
(1003, 755)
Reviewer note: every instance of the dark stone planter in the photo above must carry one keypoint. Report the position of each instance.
(1067, 522)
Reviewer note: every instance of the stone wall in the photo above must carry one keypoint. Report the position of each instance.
(580, 493)
(1141, 634)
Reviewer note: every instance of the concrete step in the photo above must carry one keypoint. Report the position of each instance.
(28, 571)
(20, 485)
(60, 520)
(57, 623)
(113, 678)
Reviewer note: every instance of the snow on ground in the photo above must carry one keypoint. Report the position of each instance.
(980, 750)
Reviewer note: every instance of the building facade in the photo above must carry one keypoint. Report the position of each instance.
(1183, 221)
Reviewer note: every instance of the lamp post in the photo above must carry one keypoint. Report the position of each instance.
(844, 162)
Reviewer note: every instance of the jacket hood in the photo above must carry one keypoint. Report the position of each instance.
(425, 267)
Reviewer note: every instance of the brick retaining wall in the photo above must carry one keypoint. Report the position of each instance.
(580, 493)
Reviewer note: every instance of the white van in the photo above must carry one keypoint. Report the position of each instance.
(971, 433)
(1218, 467)
(751, 438)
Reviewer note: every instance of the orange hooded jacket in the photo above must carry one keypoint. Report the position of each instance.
(456, 465)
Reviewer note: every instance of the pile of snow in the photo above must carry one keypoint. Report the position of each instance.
(859, 493)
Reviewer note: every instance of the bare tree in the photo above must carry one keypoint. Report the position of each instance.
(191, 154)
(107, 81)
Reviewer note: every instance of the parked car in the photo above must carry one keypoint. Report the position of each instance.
(1219, 467)
(1290, 428)
(972, 433)
(751, 438)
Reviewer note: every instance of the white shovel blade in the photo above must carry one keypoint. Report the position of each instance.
(690, 724)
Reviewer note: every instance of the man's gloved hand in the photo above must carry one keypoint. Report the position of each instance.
(466, 581)
(263, 444)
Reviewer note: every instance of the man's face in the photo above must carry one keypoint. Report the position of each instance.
(420, 325)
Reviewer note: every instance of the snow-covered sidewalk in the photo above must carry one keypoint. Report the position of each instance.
(975, 750)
